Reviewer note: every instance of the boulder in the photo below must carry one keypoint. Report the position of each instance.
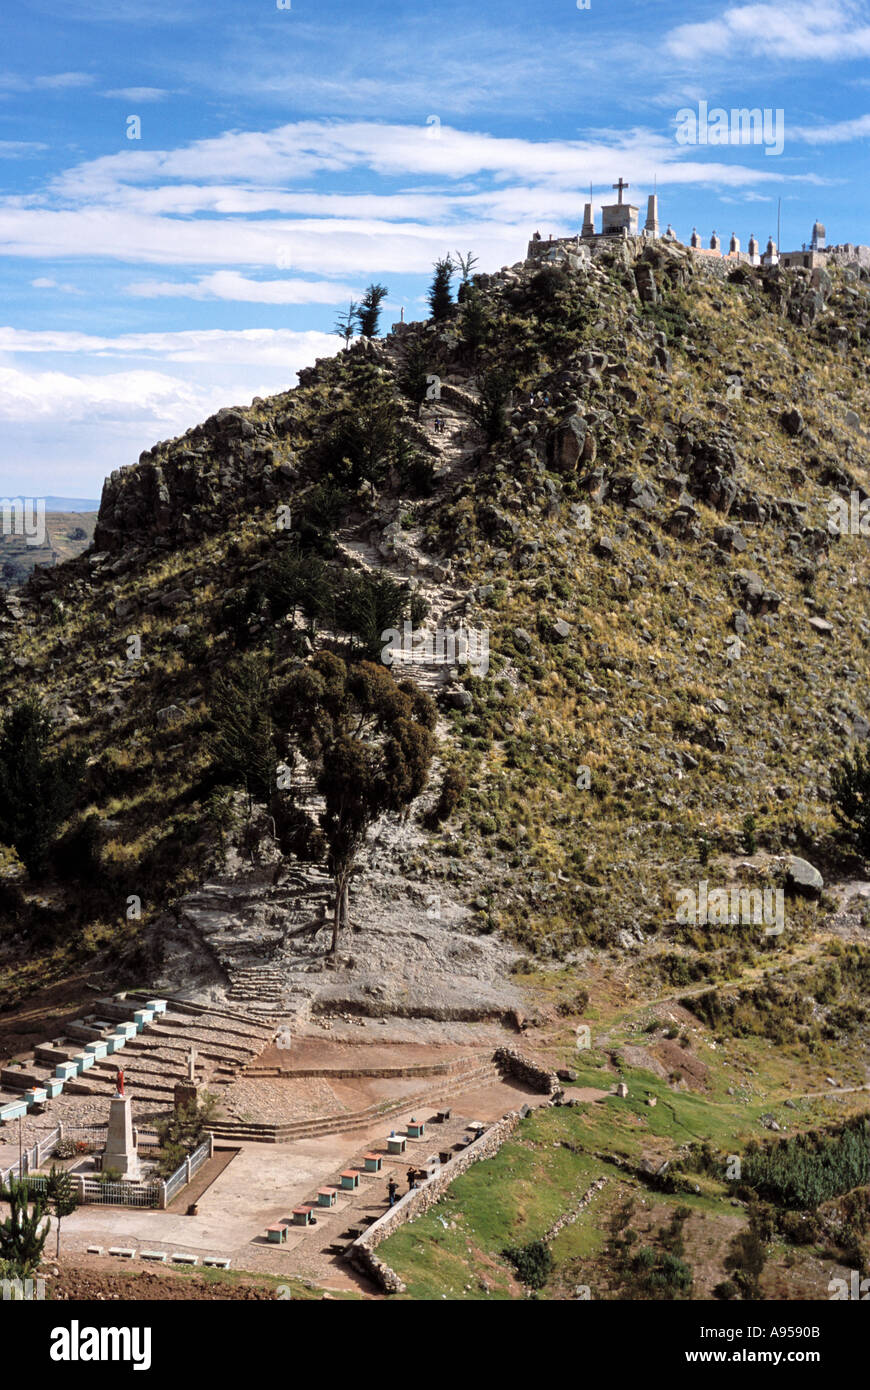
(740, 623)
(646, 283)
(792, 422)
(570, 443)
(803, 877)
(168, 716)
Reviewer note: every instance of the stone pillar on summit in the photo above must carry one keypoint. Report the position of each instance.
(651, 226)
(588, 221)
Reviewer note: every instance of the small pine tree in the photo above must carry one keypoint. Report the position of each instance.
(369, 310)
(23, 1234)
(475, 321)
(361, 446)
(851, 799)
(440, 300)
(62, 1197)
(495, 391)
(37, 791)
(241, 743)
(416, 371)
(345, 324)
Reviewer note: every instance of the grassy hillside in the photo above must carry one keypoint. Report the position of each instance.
(656, 485)
(633, 502)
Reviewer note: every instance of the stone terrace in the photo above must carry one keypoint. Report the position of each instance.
(156, 1059)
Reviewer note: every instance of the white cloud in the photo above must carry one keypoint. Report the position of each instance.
(230, 285)
(137, 93)
(66, 426)
(837, 132)
(804, 32)
(62, 81)
(45, 282)
(251, 346)
(50, 395)
(129, 207)
(16, 149)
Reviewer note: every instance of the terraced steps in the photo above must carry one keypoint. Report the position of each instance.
(155, 1061)
(264, 990)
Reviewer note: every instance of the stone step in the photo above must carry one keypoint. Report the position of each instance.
(162, 1044)
(208, 1011)
(198, 1033)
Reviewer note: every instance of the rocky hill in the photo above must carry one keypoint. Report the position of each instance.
(617, 466)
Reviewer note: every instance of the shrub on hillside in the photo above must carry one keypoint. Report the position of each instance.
(850, 782)
(533, 1262)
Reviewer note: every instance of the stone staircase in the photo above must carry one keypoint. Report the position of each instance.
(449, 1080)
(261, 989)
(246, 926)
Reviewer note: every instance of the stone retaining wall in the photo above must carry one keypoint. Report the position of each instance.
(415, 1203)
(569, 1217)
(515, 1064)
(443, 1070)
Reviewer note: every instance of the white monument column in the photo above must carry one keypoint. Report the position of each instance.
(120, 1151)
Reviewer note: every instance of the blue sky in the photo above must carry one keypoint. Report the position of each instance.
(288, 157)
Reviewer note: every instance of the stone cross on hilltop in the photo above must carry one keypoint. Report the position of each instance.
(619, 188)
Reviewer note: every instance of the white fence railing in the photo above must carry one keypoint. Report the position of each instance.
(33, 1156)
(156, 1193)
(183, 1174)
